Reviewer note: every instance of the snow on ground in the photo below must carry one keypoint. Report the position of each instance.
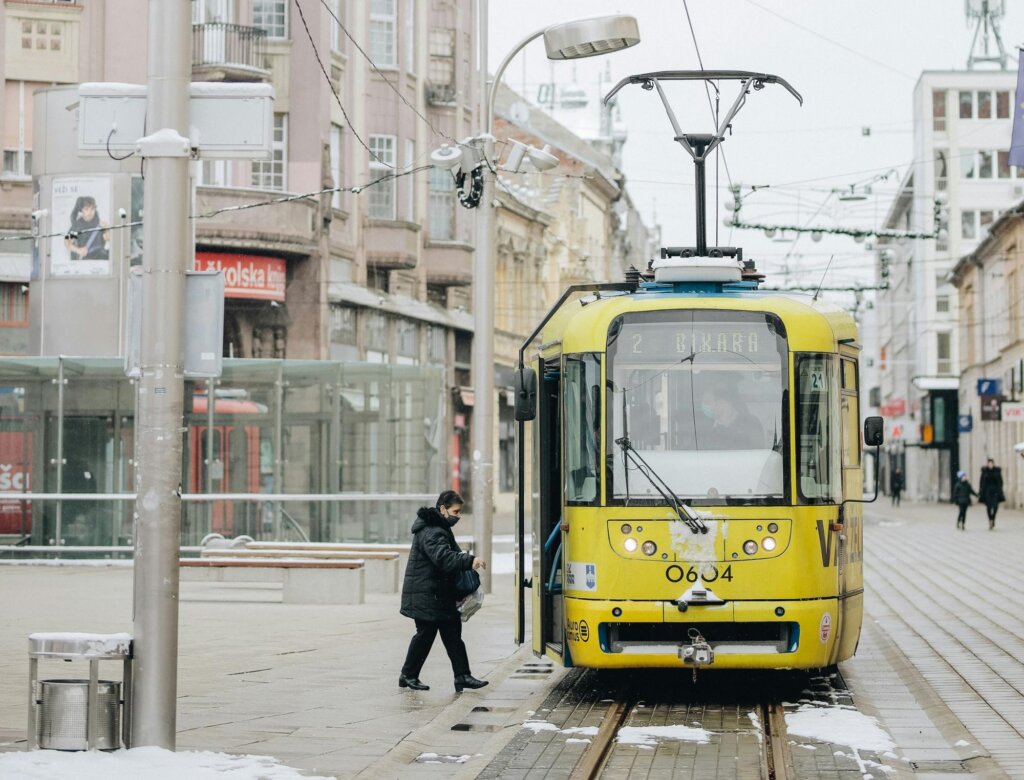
(648, 736)
(144, 763)
(838, 725)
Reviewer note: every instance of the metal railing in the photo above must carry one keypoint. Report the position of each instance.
(219, 43)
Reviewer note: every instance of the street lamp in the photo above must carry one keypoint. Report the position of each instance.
(566, 41)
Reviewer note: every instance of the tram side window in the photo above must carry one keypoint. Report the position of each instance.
(818, 480)
(582, 383)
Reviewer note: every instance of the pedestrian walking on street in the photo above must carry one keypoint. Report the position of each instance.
(896, 485)
(962, 492)
(990, 490)
(428, 593)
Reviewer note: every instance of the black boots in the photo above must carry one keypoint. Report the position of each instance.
(468, 681)
(413, 682)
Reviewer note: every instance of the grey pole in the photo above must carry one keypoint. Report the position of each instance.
(161, 388)
(482, 454)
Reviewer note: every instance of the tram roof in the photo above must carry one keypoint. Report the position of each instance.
(811, 326)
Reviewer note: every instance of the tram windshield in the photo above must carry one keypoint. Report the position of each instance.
(699, 395)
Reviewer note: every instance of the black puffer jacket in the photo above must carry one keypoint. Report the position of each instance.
(434, 561)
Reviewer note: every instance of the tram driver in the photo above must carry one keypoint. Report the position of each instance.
(729, 425)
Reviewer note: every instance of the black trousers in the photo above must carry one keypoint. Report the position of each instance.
(962, 517)
(992, 509)
(423, 640)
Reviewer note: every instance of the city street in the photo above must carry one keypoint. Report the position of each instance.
(939, 664)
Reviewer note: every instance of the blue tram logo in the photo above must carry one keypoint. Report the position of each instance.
(591, 571)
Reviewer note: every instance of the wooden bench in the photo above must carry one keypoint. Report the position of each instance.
(301, 548)
(382, 568)
(305, 580)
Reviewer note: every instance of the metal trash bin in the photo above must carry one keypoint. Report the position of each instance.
(63, 715)
(79, 714)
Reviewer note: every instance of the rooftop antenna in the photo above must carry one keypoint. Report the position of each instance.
(818, 291)
(985, 14)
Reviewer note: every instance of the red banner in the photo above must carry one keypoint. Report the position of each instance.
(15, 477)
(896, 408)
(247, 276)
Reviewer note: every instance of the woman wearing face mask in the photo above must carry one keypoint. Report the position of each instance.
(428, 593)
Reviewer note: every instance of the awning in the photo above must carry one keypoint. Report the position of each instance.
(936, 382)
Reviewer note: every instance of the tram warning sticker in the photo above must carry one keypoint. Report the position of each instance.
(581, 576)
(825, 628)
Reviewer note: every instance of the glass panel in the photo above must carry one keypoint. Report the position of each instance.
(984, 165)
(1002, 105)
(968, 224)
(1003, 164)
(699, 395)
(966, 105)
(817, 479)
(582, 428)
(985, 105)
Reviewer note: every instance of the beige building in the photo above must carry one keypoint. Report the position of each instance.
(379, 271)
(990, 281)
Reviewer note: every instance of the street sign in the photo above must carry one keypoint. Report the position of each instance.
(989, 387)
(1013, 412)
(964, 423)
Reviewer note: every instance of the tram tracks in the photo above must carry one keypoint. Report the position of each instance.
(769, 727)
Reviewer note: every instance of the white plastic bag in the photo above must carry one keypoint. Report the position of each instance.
(469, 605)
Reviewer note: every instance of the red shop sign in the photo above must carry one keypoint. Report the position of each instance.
(247, 276)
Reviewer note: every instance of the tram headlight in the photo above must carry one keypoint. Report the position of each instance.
(649, 548)
(768, 544)
(630, 544)
(773, 528)
(750, 547)
(626, 528)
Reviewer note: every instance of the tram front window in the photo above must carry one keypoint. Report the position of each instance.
(698, 395)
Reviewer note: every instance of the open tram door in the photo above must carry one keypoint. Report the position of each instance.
(538, 398)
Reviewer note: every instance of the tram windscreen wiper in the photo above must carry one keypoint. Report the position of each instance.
(685, 513)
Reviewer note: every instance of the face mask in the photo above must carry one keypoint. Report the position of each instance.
(452, 519)
(708, 411)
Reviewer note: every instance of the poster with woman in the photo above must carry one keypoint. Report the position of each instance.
(80, 206)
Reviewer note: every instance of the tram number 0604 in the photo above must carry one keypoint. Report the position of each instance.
(693, 573)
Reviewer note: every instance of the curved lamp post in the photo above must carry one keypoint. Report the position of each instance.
(566, 41)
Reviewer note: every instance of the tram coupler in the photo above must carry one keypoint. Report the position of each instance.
(698, 652)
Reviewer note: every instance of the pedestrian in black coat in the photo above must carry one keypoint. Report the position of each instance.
(990, 490)
(962, 492)
(428, 593)
(896, 485)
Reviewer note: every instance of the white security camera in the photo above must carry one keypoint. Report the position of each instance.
(447, 157)
(122, 214)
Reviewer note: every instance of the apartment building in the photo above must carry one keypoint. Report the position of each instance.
(957, 186)
(379, 271)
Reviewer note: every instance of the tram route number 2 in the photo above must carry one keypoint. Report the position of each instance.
(706, 573)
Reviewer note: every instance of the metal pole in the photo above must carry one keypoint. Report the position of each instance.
(161, 388)
(483, 335)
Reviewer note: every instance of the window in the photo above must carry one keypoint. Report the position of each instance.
(272, 16)
(382, 33)
(942, 291)
(17, 163)
(42, 35)
(1002, 105)
(966, 105)
(968, 224)
(408, 342)
(938, 110)
(984, 165)
(410, 181)
(375, 336)
(13, 304)
(1003, 164)
(984, 105)
(270, 174)
(382, 163)
(582, 401)
(337, 163)
(699, 396)
(943, 353)
(442, 205)
(851, 416)
(215, 173)
(437, 345)
(941, 172)
(335, 25)
(441, 67)
(969, 165)
(818, 481)
(343, 333)
(410, 36)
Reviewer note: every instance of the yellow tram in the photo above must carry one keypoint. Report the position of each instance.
(696, 473)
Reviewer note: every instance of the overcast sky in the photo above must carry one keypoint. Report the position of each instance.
(855, 63)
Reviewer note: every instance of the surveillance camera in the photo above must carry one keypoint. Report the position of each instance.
(39, 214)
(122, 213)
(447, 157)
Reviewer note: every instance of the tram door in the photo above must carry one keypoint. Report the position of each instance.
(548, 617)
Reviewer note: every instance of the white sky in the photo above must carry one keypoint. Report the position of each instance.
(855, 63)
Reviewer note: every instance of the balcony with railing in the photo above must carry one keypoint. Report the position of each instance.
(229, 52)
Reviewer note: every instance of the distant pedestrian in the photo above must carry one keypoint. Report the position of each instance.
(990, 490)
(428, 593)
(896, 485)
(962, 492)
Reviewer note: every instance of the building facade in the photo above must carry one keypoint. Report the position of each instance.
(958, 184)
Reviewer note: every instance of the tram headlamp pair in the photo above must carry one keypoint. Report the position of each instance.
(648, 547)
(768, 544)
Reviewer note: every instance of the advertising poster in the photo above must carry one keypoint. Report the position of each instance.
(15, 477)
(80, 206)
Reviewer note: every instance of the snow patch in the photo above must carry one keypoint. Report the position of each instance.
(649, 735)
(840, 726)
